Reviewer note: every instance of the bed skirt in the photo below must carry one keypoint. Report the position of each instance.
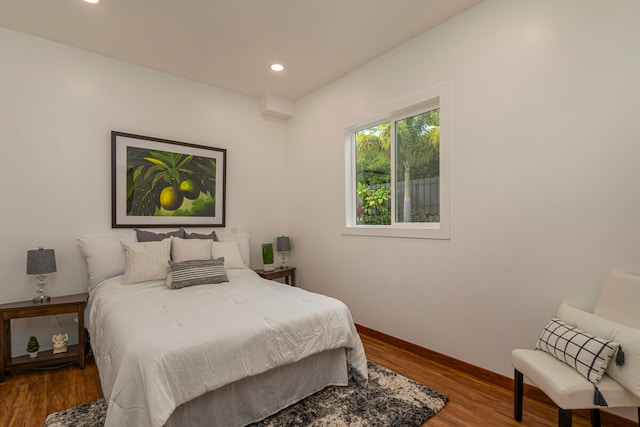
(255, 398)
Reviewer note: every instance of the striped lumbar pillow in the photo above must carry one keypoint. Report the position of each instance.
(196, 272)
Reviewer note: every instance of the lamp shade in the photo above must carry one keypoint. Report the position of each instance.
(283, 244)
(41, 261)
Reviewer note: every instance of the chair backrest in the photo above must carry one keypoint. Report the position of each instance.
(619, 299)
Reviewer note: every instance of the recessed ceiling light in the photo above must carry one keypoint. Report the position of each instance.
(277, 67)
(92, 1)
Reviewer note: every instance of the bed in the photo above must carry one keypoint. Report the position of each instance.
(227, 354)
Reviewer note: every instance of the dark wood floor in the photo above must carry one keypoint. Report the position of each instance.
(27, 397)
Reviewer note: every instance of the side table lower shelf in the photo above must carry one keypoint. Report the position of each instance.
(44, 358)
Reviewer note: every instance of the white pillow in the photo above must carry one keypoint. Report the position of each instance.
(627, 375)
(190, 249)
(243, 243)
(231, 253)
(144, 261)
(104, 255)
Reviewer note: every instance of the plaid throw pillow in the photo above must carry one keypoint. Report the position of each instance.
(196, 272)
(586, 353)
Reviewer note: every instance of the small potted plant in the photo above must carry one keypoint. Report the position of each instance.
(267, 256)
(33, 346)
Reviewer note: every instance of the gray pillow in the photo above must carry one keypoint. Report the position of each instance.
(196, 272)
(211, 236)
(150, 236)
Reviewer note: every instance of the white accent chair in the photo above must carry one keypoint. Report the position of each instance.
(619, 301)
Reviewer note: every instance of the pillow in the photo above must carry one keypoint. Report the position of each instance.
(144, 261)
(150, 236)
(211, 236)
(627, 375)
(243, 243)
(184, 250)
(586, 353)
(230, 252)
(104, 255)
(196, 272)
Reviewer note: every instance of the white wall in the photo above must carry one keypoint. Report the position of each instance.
(58, 106)
(545, 184)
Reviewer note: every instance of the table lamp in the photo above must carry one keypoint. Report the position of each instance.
(41, 261)
(283, 246)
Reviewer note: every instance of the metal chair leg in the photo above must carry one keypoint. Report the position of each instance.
(517, 395)
(564, 417)
(594, 414)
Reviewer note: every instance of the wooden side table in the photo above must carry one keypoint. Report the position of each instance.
(289, 272)
(57, 305)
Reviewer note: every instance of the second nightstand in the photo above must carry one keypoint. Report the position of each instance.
(288, 272)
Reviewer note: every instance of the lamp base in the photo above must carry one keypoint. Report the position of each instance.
(41, 291)
(284, 256)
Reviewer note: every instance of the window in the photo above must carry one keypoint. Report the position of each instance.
(397, 171)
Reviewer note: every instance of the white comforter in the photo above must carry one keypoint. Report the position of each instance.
(157, 348)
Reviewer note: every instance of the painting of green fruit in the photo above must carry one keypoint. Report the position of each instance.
(164, 183)
(158, 182)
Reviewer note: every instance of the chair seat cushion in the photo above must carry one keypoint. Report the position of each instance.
(564, 385)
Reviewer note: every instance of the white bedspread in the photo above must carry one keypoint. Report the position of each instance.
(157, 348)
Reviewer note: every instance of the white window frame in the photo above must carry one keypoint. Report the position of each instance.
(438, 97)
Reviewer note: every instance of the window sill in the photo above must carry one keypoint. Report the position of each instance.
(415, 232)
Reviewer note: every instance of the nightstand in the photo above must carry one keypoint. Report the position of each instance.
(57, 305)
(288, 272)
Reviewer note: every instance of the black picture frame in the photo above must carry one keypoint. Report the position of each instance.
(158, 182)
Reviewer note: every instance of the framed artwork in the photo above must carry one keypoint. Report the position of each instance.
(161, 183)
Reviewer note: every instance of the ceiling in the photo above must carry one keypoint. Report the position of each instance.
(230, 44)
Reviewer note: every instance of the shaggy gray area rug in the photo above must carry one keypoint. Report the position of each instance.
(388, 400)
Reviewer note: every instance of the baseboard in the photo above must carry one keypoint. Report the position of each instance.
(530, 391)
